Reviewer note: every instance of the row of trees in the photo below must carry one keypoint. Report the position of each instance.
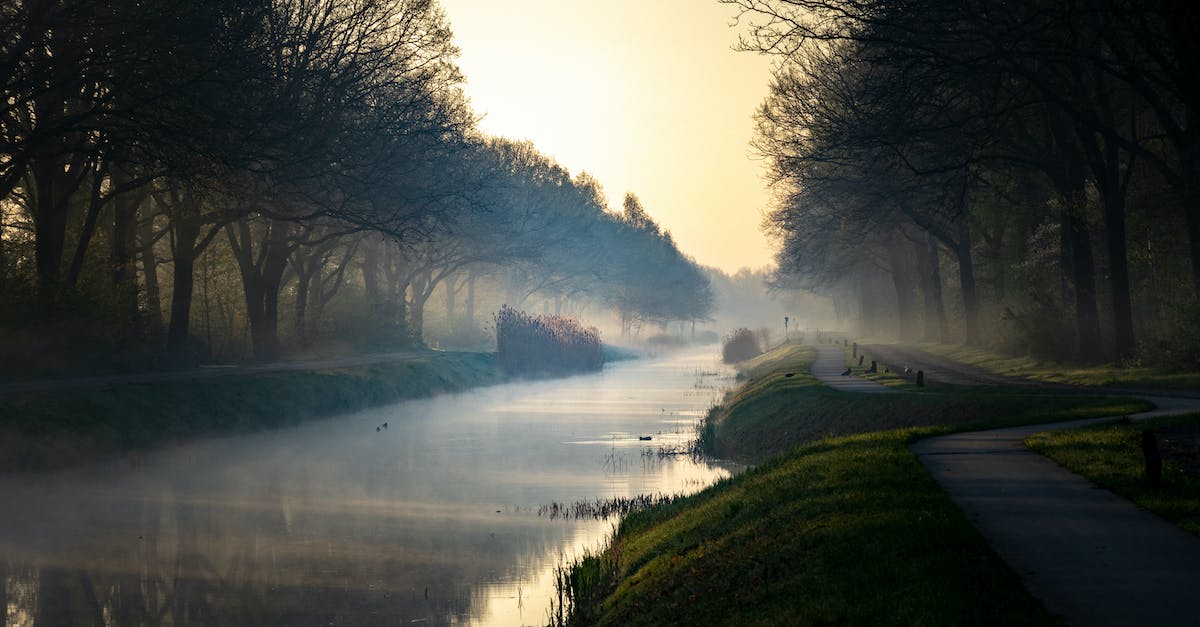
(1045, 154)
(317, 154)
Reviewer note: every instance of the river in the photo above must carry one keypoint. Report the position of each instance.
(420, 512)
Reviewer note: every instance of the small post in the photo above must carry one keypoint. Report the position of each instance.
(855, 353)
(920, 378)
(785, 328)
(1153, 456)
(874, 366)
(860, 358)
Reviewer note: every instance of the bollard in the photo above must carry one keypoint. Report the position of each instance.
(855, 353)
(860, 358)
(920, 378)
(874, 366)
(1153, 456)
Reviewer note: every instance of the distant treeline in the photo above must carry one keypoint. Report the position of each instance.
(1024, 175)
(231, 179)
(528, 344)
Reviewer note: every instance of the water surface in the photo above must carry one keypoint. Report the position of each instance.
(431, 520)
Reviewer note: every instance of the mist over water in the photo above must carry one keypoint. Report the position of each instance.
(432, 519)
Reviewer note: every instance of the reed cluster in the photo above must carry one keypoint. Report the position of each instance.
(603, 509)
(740, 345)
(529, 344)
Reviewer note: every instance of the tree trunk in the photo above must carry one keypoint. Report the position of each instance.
(145, 230)
(370, 275)
(1077, 258)
(50, 232)
(931, 289)
(451, 292)
(185, 231)
(966, 277)
(935, 282)
(91, 218)
(469, 301)
(53, 598)
(1118, 268)
(303, 282)
(124, 246)
(421, 289)
(902, 284)
(262, 278)
(1083, 276)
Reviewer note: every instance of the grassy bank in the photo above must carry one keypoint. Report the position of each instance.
(845, 529)
(1106, 375)
(50, 429)
(773, 412)
(1110, 456)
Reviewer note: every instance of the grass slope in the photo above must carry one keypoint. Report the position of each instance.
(1107, 375)
(1110, 456)
(43, 430)
(772, 413)
(848, 529)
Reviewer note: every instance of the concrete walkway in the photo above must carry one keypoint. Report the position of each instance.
(1092, 557)
(829, 366)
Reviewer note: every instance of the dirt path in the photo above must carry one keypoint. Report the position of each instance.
(1089, 555)
(829, 366)
(208, 372)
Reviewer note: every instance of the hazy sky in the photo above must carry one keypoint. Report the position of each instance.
(646, 95)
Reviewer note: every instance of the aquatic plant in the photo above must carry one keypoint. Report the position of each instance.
(740, 345)
(603, 509)
(529, 344)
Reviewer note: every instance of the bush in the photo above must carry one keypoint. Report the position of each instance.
(740, 345)
(528, 344)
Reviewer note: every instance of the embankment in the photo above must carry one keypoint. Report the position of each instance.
(42, 430)
(839, 524)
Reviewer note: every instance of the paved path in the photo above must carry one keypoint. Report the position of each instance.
(209, 372)
(1090, 556)
(829, 366)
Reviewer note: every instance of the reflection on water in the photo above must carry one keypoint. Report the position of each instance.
(431, 520)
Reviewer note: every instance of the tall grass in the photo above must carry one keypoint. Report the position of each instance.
(529, 344)
(740, 345)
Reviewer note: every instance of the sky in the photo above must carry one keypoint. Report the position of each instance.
(648, 96)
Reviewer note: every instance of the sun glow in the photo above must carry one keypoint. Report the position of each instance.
(649, 98)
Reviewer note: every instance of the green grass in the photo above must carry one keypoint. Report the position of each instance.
(1107, 375)
(1110, 456)
(50, 429)
(883, 377)
(839, 530)
(772, 413)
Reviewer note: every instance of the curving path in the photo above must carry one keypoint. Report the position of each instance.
(829, 366)
(1091, 556)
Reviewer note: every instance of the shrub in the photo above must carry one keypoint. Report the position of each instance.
(528, 344)
(740, 345)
